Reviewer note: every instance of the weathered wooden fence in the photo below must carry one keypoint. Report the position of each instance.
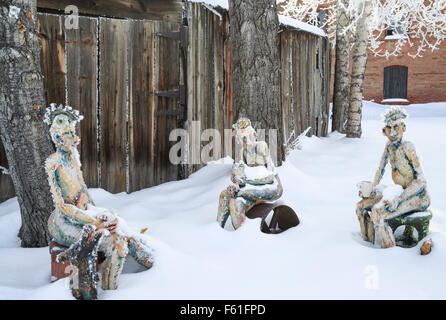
(120, 74)
(127, 78)
(305, 75)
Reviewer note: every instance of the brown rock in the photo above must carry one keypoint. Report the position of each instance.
(426, 248)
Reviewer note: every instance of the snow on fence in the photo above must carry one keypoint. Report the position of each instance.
(136, 80)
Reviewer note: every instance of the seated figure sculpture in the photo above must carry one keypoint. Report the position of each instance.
(254, 178)
(379, 219)
(74, 207)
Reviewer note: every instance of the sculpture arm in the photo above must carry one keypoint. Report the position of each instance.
(68, 209)
(238, 172)
(262, 148)
(382, 166)
(77, 163)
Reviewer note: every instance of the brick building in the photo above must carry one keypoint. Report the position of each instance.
(417, 80)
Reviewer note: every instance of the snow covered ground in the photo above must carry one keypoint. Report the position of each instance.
(324, 257)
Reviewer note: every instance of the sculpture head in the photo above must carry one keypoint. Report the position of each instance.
(245, 133)
(394, 123)
(62, 121)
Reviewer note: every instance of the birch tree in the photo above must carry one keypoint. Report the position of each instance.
(359, 63)
(22, 104)
(342, 67)
(419, 24)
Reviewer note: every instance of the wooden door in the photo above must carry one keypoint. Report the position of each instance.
(395, 82)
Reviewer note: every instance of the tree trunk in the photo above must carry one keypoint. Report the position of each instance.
(342, 69)
(22, 104)
(255, 65)
(354, 113)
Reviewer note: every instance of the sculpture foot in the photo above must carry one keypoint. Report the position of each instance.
(111, 272)
(140, 253)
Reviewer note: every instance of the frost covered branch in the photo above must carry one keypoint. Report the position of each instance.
(419, 24)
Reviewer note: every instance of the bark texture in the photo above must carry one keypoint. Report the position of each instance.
(359, 63)
(22, 104)
(342, 69)
(256, 65)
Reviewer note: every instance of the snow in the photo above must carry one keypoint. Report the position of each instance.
(395, 37)
(390, 100)
(322, 258)
(389, 193)
(224, 4)
(14, 12)
(294, 23)
(283, 20)
(257, 172)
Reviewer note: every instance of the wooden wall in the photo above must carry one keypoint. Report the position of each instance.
(112, 70)
(6, 186)
(122, 74)
(305, 75)
(206, 59)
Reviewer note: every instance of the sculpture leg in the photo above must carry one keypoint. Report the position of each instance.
(115, 249)
(413, 204)
(362, 211)
(140, 252)
(262, 193)
(385, 236)
(237, 208)
(230, 207)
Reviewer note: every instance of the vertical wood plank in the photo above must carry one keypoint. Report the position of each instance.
(327, 61)
(141, 105)
(304, 80)
(52, 57)
(7, 190)
(285, 94)
(219, 77)
(229, 101)
(166, 78)
(297, 106)
(112, 102)
(311, 83)
(81, 50)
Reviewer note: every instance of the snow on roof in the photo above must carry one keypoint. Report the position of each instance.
(283, 20)
(294, 23)
(214, 3)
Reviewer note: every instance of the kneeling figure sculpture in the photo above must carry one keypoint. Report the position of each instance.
(254, 179)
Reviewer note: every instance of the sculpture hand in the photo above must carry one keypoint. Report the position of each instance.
(233, 189)
(102, 222)
(390, 205)
(111, 225)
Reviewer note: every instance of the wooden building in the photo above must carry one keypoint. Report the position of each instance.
(139, 69)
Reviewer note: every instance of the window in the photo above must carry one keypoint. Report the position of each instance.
(395, 82)
(396, 29)
(322, 19)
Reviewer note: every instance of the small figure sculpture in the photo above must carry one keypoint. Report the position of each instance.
(82, 254)
(381, 220)
(254, 179)
(74, 207)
